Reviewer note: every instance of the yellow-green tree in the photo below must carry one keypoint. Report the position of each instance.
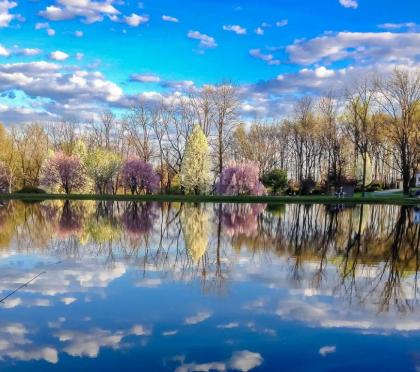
(102, 166)
(195, 168)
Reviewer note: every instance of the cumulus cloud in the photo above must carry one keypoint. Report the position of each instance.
(360, 46)
(50, 32)
(58, 55)
(269, 58)
(167, 18)
(236, 29)
(135, 20)
(349, 3)
(89, 11)
(206, 41)
(78, 33)
(5, 16)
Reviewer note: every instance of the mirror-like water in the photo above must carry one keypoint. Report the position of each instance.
(125, 286)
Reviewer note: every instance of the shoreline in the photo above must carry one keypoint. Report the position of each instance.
(318, 199)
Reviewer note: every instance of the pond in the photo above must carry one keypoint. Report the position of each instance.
(211, 287)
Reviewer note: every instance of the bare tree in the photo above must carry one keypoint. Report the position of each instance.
(399, 96)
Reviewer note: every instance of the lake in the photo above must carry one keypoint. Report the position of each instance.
(211, 287)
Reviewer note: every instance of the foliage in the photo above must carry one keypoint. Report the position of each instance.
(31, 190)
(307, 186)
(102, 166)
(4, 181)
(276, 180)
(139, 176)
(240, 179)
(63, 171)
(195, 169)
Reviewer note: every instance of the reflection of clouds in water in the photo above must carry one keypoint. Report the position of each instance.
(327, 350)
(243, 360)
(66, 277)
(169, 333)
(201, 316)
(13, 302)
(15, 344)
(228, 325)
(88, 343)
(340, 315)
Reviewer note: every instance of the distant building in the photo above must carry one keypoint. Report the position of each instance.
(418, 178)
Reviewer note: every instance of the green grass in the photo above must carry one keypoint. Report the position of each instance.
(314, 199)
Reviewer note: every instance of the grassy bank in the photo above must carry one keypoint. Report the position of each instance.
(313, 199)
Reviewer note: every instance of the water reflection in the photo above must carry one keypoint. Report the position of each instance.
(118, 281)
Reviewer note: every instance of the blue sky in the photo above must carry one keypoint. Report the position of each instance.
(74, 57)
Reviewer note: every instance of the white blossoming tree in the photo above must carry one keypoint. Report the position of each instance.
(196, 164)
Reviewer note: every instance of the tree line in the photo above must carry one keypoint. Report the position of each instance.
(198, 143)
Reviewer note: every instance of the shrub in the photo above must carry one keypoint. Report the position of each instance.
(307, 186)
(276, 180)
(31, 190)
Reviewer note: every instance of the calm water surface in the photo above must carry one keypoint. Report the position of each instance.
(171, 287)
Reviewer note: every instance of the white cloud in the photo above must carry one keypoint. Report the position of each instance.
(145, 78)
(327, 350)
(89, 10)
(5, 16)
(259, 31)
(135, 20)
(30, 51)
(58, 55)
(206, 41)
(78, 33)
(50, 32)
(198, 318)
(79, 56)
(41, 25)
(282, 23)
(236, 29)
(396, 26)
(167, 18)
(4, 52)
(378, 46)
(269, 58)
(349, 3)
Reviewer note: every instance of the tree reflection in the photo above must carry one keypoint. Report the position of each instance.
(373, 250)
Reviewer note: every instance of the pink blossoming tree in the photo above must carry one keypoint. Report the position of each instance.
(240, 179)
(63, 171)
(139, 176)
